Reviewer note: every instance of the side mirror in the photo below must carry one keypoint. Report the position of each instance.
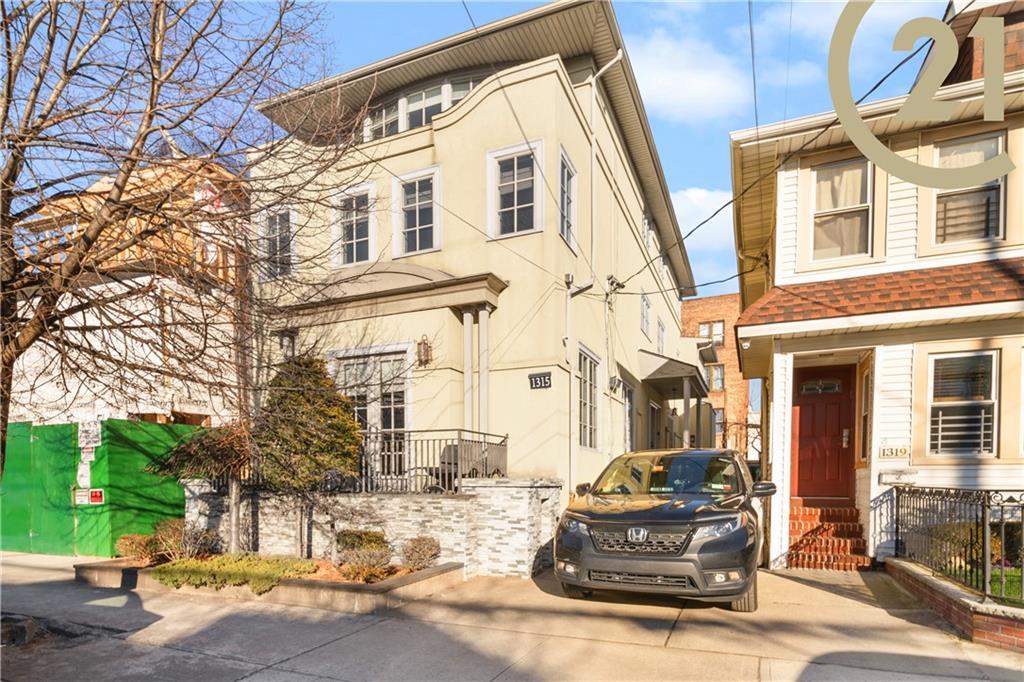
(583, 489)
(763, 489)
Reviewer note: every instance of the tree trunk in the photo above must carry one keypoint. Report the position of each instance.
(234, 513)
(299, 518)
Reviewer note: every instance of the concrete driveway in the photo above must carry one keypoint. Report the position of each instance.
(811, 626)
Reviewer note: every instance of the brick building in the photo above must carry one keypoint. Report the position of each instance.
(713, 317)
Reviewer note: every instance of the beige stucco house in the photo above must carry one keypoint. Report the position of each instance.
(886, 319)
(496, 248)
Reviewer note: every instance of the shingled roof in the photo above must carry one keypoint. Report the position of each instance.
(992, 281)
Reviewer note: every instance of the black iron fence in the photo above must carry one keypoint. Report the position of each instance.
(970, 536)
(428, 461)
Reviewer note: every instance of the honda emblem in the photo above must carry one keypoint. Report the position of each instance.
(636, 534)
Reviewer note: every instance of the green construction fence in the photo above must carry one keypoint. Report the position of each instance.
(44, 511)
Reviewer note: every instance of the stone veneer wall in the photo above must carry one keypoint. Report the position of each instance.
(493, 526)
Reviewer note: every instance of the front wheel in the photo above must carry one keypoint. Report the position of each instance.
(573, 592)
(748, 602)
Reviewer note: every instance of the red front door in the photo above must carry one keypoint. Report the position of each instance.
(823, 431)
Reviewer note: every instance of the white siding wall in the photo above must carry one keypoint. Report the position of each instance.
(901, 221)
(786, 227)
(779, 454)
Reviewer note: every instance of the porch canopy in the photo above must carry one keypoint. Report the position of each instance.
(672, 378)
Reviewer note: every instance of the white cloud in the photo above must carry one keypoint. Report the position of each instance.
(711, 249)
(777, 73)
(686, 79)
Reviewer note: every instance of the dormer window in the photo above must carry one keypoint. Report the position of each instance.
(417, 107)
(422, 106)
(842, 209)
(384, 121)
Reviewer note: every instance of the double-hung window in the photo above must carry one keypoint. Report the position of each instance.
(354, 223)
(588, 399)
(714, 331)
(717, 377)
(661, 337)
(719, 415)
(461, 88)
(516, 193)
(423, 105)
(279, 244)
(842, 209)
(418, 215)
(645, 315)
(567, 199)
(962, 403)
(972, 212)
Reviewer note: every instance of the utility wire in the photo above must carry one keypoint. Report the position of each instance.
(793, 153)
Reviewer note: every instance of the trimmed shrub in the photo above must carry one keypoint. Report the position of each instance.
(261, 574)
(177, 540)
(136, 547)
(365, 573)
(352, 542)
(421, 552)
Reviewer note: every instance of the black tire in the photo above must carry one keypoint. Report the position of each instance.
(748, 602)
(573, 592)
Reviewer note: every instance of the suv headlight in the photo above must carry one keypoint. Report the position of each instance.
(572, 525)
(719, 529)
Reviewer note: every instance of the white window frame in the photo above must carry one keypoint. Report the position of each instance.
(870, 180)
(338, 253)
(565, 163)
(264, 218)
(654, 427)
(402, 100)
(932, 357)
(711, 376)
(661, 337)
(407, 350)
(536, 147)
(645, 314)
(594, 443)
(1000, 137)
(398, 215)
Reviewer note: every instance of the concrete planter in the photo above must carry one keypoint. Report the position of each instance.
(343, 597)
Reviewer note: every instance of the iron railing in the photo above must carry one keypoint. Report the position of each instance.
(428, 461)
(970, 536)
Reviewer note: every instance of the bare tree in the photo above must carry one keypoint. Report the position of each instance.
(136, 259)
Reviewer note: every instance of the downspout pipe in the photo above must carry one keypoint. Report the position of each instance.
(593, 152)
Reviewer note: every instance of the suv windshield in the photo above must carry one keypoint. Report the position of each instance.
(675, 474)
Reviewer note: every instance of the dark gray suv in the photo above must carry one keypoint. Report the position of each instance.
(679, 522)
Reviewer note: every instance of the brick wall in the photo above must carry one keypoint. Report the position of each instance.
(494, 526)
(969, 64)
(734, 399)
(992, 624)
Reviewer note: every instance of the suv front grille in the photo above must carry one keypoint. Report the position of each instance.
(640, 579)
(658, 542)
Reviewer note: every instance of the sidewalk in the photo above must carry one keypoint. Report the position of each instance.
(811, 626)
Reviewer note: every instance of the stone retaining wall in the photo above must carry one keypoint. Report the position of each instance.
(493, 526)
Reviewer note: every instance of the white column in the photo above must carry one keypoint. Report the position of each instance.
(467, 369)
(485, 316)
(700, 425)
(686, 413)
(780, 453)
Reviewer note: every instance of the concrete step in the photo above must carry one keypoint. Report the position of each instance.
(834, 562)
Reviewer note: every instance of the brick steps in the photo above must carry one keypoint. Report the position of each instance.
(826, 535)
(832, 562)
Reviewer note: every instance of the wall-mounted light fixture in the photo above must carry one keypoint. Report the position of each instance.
(424, 353)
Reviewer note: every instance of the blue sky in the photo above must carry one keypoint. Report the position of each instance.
(693, 63)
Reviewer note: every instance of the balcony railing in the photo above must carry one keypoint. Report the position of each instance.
(429, 461)
(970, 536)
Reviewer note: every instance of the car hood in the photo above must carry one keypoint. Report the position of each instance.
(653, 508)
